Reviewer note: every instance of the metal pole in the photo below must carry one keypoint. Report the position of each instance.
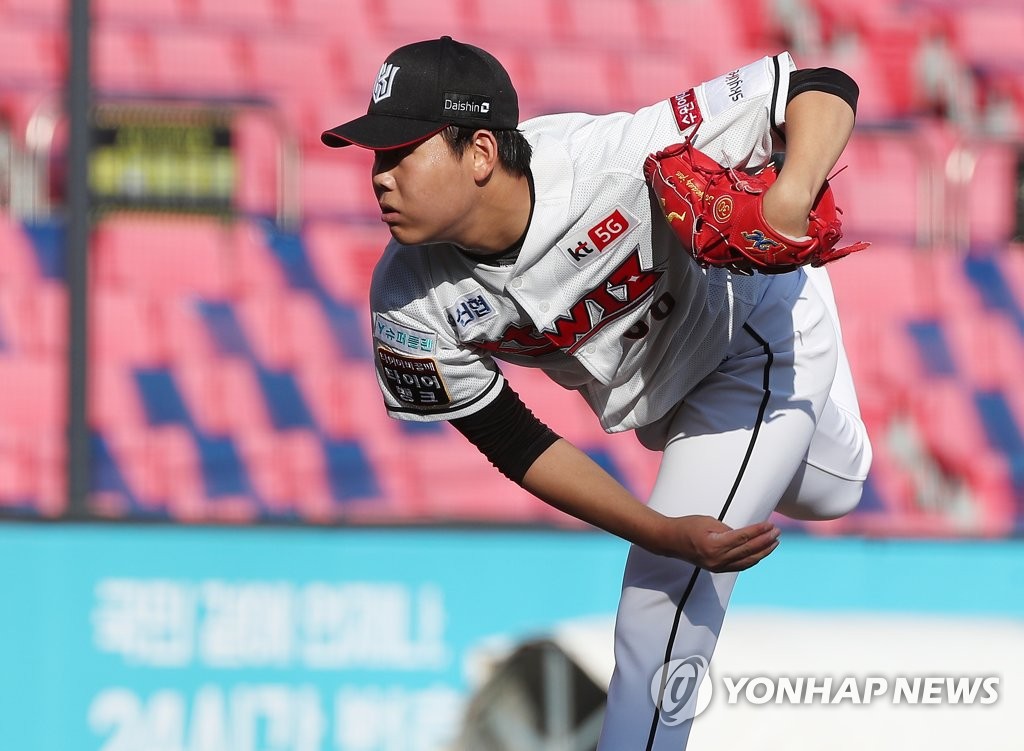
(78, 218)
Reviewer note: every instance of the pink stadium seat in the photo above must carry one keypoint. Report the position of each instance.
(413, 22)
(344, 399)
(611, 23)
(344, 257)
(987, 348)
(310, 330)
(189, 256)
(180, 326)
(48, 460)
(113, 399)
(338, 185)
(286, 61)
(949, 289)
(33, 321)
(33, 399)
(258, 137)
(252, 15)
(901, 293)
(121, 59)
(223, 396)
(258, 272)
(358, 17)
(987, 34)
(16, 475)
(126, 329)
(31, 53)
(19, 268)
(198, 62)
(880, 194)
(989, 199)
(1012, 266)
(581, 79)
(671, 24)
(264, 318)
(302, 458)
(106, 12)
(535, 20)
(649, 77)
(271, 479)
(170, 454)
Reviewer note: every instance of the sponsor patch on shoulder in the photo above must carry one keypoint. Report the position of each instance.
(737, 86)
(585, 246)
(396, 336)
(686, 110)
(412, 380)
(469, 310)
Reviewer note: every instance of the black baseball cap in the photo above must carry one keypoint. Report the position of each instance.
(422, 88)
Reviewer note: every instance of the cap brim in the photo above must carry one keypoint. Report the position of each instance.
(380, 132)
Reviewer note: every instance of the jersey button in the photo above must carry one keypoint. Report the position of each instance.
(591, 349)
(516, 283)
(544, 307)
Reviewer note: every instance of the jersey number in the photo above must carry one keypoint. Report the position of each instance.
(660, 310)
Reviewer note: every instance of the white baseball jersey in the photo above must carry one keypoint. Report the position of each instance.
(601, 297)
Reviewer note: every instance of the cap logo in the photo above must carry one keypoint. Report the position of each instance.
(467, 105)
(385, 80)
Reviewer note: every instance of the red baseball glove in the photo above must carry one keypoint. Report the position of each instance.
(716, 212)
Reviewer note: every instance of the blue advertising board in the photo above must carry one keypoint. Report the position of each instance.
(169, 638)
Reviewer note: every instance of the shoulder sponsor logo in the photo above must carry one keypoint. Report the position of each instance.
(686, 110)
(734, 83)
(385, 80)
(469, 310)
(403, 338)
(737, 87)
(585, 246)
(412, 380)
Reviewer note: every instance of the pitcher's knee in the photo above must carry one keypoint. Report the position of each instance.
(817, 495)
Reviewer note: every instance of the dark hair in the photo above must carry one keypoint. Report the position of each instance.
(514, 151)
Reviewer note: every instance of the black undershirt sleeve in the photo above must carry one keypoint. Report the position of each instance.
(507, 433)
(829, 80)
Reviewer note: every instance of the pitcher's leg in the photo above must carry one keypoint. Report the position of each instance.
(739, 438)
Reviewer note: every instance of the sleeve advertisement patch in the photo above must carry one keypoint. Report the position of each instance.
(412, 380)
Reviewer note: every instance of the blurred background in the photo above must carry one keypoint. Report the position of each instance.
(212, 538)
